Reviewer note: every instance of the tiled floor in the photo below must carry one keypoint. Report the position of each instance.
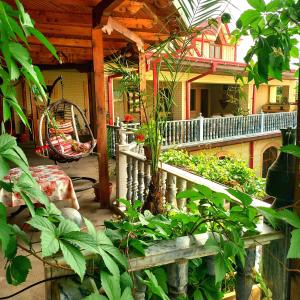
(88, 208)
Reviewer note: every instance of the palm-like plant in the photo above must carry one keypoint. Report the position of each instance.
(170, 56)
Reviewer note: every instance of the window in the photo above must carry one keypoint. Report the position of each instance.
(215, 51)
(193, 100)
(133, 102)
(269, 157)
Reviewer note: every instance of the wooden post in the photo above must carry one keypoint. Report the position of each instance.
(98, 59)
(143, 99)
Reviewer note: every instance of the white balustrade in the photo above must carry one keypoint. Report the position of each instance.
(181, 132)
(134, 176)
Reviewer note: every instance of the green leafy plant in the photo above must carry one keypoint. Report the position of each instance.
(230, 171)
(59, 236)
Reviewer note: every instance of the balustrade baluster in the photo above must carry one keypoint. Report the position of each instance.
(177, 132)
(171, 190)
(129, 178)
(169, 133)
(147, 179)
(173, 133)
(135, 182)
(163, 184)
(178, 279)
(141, 186)
(188, 131)
(184, 131)
(181, 186)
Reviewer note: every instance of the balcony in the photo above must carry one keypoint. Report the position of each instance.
(186, 133)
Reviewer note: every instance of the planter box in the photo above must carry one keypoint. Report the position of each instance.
(255, 294)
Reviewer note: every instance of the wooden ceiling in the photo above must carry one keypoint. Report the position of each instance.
(68, 25)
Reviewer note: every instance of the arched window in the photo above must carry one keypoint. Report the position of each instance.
(269, 157)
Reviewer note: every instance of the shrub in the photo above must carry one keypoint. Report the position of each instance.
(232, 172)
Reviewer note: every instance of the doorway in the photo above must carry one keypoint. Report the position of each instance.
(204, 103)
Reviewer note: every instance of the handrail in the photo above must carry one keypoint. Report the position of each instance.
(204, 130)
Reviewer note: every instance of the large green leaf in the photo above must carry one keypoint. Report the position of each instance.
(73, 258)
(95, 296)
(289, 217)
(109, 263)
(66, 226)
(5, 231)
(49, 242)
(18, 270)
(220, 267)
(113, 251)
(7, 142)
(111, 286)
(245, 199)
(294, 251)
(260, 5)
(4, 167)
(291, 149)
(42, 224)
(127, 294)
(82, 240)
(43, 40)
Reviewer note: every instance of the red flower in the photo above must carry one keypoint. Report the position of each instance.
(140, 137)
(128, 118)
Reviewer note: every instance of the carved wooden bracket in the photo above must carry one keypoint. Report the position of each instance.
(115, 25)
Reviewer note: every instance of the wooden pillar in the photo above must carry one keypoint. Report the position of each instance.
(143, 83)
(98, 60)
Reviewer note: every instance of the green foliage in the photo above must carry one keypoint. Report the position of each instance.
(229, 171)
(155, 287)
(274, 28)
(291, 149)
(201, 285)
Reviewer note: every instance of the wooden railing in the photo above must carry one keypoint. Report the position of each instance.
(197, 131)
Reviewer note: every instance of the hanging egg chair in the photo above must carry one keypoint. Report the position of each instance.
(61, 139)
(64, 134)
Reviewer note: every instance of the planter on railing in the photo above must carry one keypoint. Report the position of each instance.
(174, 254)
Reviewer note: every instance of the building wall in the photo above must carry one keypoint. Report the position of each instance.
(242, 151)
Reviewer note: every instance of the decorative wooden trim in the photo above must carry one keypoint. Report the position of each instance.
(112, 25)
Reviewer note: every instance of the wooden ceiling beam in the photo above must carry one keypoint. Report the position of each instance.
(113, 25)
(65, 30)
(62, 18)
(81, 43)
(133, 23)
